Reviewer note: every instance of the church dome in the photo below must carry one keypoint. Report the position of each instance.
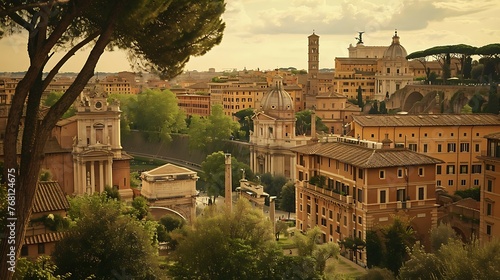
(277, 99)
(395, 50)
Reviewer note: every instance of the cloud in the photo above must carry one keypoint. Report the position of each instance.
(347, 17)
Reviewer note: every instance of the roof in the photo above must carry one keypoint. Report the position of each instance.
(366, 157)
(52, 146)
(168, 169)
(493, 136)
(427, 120)
(44, 238)
(49, 197)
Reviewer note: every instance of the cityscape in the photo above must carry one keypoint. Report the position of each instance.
(379, 163)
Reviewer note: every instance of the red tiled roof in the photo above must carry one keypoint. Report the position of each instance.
(366, 157)
(427, 120)
(44, 238)
(49, 197)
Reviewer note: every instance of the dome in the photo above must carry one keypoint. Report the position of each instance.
(395, 50)
(277, 99)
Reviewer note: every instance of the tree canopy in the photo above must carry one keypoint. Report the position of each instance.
(303, 123)
(207, 134)
(160, 36)
(287, 198)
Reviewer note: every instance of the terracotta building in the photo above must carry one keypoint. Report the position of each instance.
(489, 227)
(365, 184)
(335, 111)
(456, 139)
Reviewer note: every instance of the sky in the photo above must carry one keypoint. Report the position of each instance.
(268, 34)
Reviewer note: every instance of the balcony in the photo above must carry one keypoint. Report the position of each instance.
(347, 199)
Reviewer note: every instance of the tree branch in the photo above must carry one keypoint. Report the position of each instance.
(66, 57)
(8, 11)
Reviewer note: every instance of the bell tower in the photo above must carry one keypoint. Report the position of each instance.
(313, 64)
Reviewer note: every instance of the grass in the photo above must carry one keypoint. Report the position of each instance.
(141, 164)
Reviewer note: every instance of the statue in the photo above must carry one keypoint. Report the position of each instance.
(360, 38)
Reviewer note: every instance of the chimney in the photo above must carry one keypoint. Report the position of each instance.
(228, 183)
(386, 143)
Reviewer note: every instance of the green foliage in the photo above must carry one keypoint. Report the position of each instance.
(105, 243)
(112, 193)
(374, 249)
(227, 245)
(474, 193)
(493, 105)
(273, 184)
(353, 244)
(476, 103)
(377, 273)
(374, 108)
(421, 265)
(41, 269)
(281, 228)
(383, 108)
(53, 222)
(360, 97)
(128, 105)
(442, 235)
(158, 115)
(303, 123)
(135, 180)
(45, 175)
(246, 123)
(140, 208)
(318, 181)
(208, 134)
(171, 223)
(308, 246)
(287, 198)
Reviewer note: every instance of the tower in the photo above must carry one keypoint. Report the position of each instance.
(313, 64)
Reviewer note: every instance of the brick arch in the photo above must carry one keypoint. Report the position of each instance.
(412, 98)
(159, 211)
(460, 233)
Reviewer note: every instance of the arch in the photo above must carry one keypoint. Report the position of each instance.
(460, 233)
(161, 209)
(413, 98)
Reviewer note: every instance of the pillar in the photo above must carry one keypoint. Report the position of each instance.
(83, 179)
(109, 173)
(228, 183)
(75, 176)
(272, 208)
(92, 177)
(101, 175)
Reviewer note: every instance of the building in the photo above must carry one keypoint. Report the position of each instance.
(274, 133)
(49, 203)
(456, 139)
(170, 189)
(335, 111)
(363, 184)
(84, 152)
(312, 65)
(194, 104)
(489, 227)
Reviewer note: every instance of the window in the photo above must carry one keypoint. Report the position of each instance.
(420, 171)
(450, 169)
(360, 173)
(452, 147)
(438, 182)
(346, 167)
(439, 148)
(353, 218)
(489, 185)
(476, 168)
(421, 193)
(382, 195)
(450, 183)
(488, 229)
(463, 182)
(464, 169)
(401, 195)
(464, 147)
(360, 195)
(360, 220)
(425, 148)
(400, 173)
(345, 220)
(476, 149)
(330, 214)
(438, 169)
(489, 209)
(412, 147)
(476, 182)
(382, 174)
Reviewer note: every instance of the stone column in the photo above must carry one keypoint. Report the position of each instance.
(228, 200)
(272, 208)
(83, 179)
(76, 176)
(109, 173)
(101, 175)
(92, 177)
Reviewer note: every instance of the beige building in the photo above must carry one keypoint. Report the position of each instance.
(172, 187)
(274, 133)
(489, 227)
(194, 104)
(456, 139)
(84, 152)
(335, 111)
(365, 184)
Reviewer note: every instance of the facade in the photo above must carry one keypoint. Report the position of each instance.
(274, 133)
(194, 104)
(252, 192)
(489, 227)
(7, 89)
(312, 65)
(85, 152)
(335, 111)
(456, 139)
(366, 184)
(39, 239)
(173, 187)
